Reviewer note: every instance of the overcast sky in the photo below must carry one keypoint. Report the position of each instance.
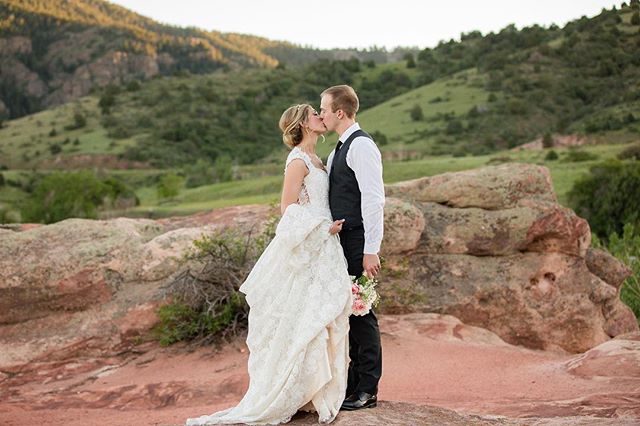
(360, 23)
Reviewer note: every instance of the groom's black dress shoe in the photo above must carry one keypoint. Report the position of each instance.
(359, 400)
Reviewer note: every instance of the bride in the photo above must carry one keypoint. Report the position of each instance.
(299, 294)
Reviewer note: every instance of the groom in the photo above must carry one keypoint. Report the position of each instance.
(356, 194)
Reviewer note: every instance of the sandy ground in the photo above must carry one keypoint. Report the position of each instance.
(465, 369)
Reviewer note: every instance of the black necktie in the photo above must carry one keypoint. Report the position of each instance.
(338, 145)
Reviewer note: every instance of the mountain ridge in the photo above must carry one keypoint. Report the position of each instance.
(55, 51)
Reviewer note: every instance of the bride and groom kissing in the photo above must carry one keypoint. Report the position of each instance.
(307, 352)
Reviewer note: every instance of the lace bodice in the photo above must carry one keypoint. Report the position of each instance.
(314, 193)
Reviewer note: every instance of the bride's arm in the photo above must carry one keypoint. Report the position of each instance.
(293, 177)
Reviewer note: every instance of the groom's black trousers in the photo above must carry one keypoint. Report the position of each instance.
(365, 351)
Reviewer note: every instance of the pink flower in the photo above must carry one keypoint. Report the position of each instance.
(355, 289)
(359, 306)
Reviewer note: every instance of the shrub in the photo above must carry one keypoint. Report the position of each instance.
(223, 168)
(551, 156)
(199, 174)
(626, 248)
(118, 195)
(416, 113)
(133, 86)
(576, 156)
(609, 197)
(454, 127)
(169, 185)
(59, 196)
(119, 132)
(499, 160)
(411, 62)
(55, 149)
(631, 153)
(107, 100)
(79, 121)
(380, 138)
(207, 306)
(547, 140)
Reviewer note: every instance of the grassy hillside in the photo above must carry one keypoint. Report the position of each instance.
(264, 190)
(459, 105)
(477, 96)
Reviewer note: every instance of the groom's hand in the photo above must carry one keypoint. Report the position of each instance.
(371, 264)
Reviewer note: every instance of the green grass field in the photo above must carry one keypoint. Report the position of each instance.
(456, 94)
(266, 190)
(265, 186)
(28, 140)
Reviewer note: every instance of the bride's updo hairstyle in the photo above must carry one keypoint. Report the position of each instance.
(291, 124)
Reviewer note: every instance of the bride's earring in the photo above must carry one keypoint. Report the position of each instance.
(323, 139)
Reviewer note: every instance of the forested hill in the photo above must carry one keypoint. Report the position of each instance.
(53, 51)
(480, 94)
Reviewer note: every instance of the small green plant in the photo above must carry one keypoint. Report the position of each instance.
(411, 62)
(61, 195)
(79, 121)
(55, 149)
(630, 153)
(169, 185)
(223, 168)
(198, 174)
(499, 160)
(416, 113)
(551, 156)
(577, 155)
(380, 138)
(609, 197)
(181, 322)
(626, 247)
(207, 305)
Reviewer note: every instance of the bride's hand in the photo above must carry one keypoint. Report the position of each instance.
(336, 226)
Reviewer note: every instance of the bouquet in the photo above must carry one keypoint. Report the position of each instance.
(364, 294)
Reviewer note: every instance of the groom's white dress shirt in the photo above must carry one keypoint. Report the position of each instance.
(366, 162)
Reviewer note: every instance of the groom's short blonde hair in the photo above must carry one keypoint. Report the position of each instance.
(343, 97)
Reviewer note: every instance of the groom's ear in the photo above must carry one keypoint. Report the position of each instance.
(340, 114)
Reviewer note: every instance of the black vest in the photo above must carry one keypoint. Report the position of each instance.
(344, 193)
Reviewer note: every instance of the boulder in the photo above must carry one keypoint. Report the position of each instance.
(497, 251)
(491, 188)
(606, 267)
(93, 286)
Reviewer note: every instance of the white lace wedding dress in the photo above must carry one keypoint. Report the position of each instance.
(299, 294)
